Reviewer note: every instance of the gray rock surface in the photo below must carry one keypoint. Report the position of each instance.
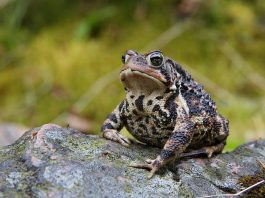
(61, 162)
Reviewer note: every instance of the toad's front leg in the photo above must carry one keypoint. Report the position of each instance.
(112, 126)
(175, 145)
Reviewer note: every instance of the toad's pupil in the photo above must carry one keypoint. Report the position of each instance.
(156, 60)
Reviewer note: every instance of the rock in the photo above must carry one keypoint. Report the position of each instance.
(51, 161)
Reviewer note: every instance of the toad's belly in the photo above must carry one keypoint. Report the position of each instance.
(151, 131)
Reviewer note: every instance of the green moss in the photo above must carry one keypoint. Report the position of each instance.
(184, 192)
(98, 143)
(249, 180)
(83, 144)
(128, 188)
(16, 149)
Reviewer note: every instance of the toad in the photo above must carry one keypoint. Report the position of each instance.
(166, 108)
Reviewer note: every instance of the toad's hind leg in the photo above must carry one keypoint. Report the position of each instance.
(220, 130)
(208, 150)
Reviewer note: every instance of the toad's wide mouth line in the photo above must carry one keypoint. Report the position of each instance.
(127, 72)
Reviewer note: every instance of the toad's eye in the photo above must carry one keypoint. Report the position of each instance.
(156, 59)
(124, 58)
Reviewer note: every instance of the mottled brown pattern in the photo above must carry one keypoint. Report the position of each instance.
(166, 108)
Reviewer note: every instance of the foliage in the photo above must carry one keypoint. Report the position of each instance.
(54, 52)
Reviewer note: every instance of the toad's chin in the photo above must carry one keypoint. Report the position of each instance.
(137, 81)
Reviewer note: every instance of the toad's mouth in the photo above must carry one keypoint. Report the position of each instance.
(138, 81)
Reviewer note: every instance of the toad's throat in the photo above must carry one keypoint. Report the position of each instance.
(138, 81)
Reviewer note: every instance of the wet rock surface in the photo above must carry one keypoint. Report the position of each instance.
(50, 161)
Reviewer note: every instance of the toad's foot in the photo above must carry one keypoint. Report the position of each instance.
(209, 151)
(114, 135)
(152, 165)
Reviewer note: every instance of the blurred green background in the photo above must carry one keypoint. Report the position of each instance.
(60, 60)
